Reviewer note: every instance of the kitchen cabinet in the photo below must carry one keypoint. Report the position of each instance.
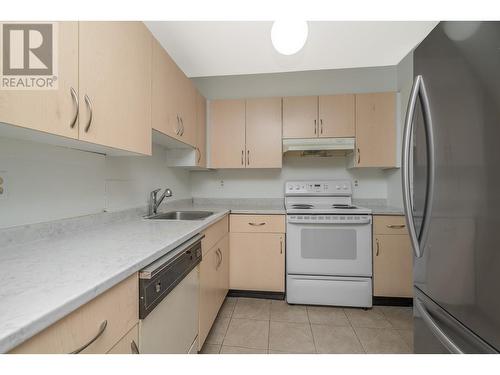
(128, 344)
(263, 133)
(300, 117)
(173, 104)
(201, 131)
(50, 111)
(227, 133)
(392, 258)
(115, 85)
(246, 133)
(214, 276)
(116, 307)
(257, 253)
(336, 116)
(376, 130)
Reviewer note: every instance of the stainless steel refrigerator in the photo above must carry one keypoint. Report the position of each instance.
(451, 188)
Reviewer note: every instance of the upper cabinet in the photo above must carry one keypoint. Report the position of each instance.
(376, 130)
(227, 134)
(263, 133)
(173, 99)
(246, 133)
(336, 116)
(326, 116)
(50, 111)
(115, 85)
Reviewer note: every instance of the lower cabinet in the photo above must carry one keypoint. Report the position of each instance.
(392, 258)
(94, 328)
(257, 260)
(214, 278)
(128, 344)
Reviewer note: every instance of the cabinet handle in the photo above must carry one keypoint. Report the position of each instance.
(378, 247)
(89, 106)
(182, 126)
(199, 155)
(315, 126)
(219, 256)
(134, 348)
(242, 156)
(257, 224)
(74, 96)
(394, 226)
(359, 156)
(321, 124)
(248, 157)
(102, 328)
(178, 127)
(281, 245)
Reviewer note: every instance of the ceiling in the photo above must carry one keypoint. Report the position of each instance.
(216, 48)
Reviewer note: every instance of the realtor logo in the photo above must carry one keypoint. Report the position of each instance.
(28, 56)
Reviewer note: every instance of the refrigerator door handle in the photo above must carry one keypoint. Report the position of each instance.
(438, 332)
(418, 91)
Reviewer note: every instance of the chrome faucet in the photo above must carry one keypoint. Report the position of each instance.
(154, 201)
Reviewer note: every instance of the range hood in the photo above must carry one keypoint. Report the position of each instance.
(319, 146)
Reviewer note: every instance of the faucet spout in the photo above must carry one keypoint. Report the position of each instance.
(154, 201)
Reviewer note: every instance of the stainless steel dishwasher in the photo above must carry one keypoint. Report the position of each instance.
(169, 301)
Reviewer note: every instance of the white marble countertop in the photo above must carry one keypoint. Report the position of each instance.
(44, 280)
(262, 206)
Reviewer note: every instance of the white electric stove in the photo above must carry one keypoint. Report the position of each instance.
(329, 245)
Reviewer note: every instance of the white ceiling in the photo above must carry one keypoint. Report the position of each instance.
(215, 48)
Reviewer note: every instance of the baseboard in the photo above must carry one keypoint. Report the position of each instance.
(392, 301)
(256, 294)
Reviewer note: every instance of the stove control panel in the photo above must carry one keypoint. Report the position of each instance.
(323, 187)
(329, 219)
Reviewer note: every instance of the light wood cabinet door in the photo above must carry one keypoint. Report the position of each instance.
(336, 116)
(201, 131)
(115, 85)
(300, 117)
(227, 133)
(128, 344)
(164, 92)
(50, 111)
(187, 109)
(392, 266)
(257, 261)
(376, 130)
(209, 293)
(263, 133)
(223, 269)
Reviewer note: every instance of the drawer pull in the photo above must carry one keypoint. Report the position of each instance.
(256, 224)
(134, 348)
(394, 226)
(281, 245)
(378, 247)
(102, 328)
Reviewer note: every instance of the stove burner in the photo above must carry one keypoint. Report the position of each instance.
(344, 206)
(302, 206)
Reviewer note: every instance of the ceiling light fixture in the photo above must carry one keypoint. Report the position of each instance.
(288, 37)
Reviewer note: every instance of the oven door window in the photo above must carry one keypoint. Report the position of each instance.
(321, 243)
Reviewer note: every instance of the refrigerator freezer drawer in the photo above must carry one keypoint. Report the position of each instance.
(329, 290)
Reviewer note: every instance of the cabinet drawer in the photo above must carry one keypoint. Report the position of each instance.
(257, 223)
(389, 225)
(214, 233)
(128, 344)
(118, 306)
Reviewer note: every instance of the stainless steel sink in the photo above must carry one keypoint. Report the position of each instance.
(181, 215)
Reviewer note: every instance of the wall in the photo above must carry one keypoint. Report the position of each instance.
(404, 76)
(372, 183)
(44, 182)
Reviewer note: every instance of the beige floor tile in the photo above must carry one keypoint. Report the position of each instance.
(371, 318)
(227, 308)
(381, 340)
(283, 312)
(247, 333)
(283, 352)
(210, 349)
(240, 350)
(399, 317)
(291, 337)
(252, 308)
(407, 336)
(327, 315)
(218, 331)
(335, 340)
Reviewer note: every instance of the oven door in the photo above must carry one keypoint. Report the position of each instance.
(329, 249)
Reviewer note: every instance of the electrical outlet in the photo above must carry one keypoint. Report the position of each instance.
(221, 183)
(3, 189)
(356, 184)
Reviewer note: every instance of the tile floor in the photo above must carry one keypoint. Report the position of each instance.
(259, 326)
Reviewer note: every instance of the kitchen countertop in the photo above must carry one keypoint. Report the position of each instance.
(379, 207)
(262, 206)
